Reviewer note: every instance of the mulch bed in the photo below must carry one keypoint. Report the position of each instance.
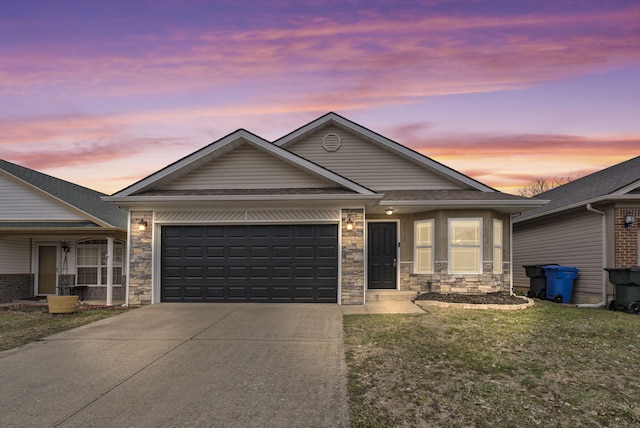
(490, 298)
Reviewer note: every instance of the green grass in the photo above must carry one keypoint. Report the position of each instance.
(20, 325)
(546, 366)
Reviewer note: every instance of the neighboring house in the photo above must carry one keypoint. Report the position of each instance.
(324, 214)
(57, 234)
(583, 226)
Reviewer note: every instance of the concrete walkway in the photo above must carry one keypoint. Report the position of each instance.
(175, 365)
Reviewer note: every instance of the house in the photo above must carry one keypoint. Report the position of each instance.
(324, 214)
(56, 236)
(584, 226)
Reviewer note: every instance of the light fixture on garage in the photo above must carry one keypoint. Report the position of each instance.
(142, 225)
(629, 219)
(349, 224)
(388, 211)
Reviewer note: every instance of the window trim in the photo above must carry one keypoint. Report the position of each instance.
(497, 267)
(416, 246)
(100, 244)
(451, 247)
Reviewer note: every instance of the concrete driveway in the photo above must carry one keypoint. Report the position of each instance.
(176, 365)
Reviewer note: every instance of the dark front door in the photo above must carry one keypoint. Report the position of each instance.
(382, 254)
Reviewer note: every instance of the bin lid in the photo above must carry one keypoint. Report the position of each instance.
(563, 268)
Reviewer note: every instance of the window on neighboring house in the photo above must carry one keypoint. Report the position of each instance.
(91, 262)
(497, 246)
(423, 251)
(465, 245)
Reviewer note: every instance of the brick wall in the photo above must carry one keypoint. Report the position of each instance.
(626, 239)
(15, 286)
(353, 258)
(100, 293)
(140, 259)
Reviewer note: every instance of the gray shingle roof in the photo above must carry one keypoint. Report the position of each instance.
(598, 184)
(84, 199)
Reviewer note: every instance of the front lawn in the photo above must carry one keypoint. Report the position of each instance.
(21, 324)
(547, 366)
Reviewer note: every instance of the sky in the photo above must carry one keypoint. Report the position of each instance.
(104, 93)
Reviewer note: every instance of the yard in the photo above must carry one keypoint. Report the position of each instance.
(20, 325)
(547, 366)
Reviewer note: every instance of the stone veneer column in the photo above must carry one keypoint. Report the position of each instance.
(353, 258)
(140, 266)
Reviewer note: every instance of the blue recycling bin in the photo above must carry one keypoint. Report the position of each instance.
(560, 282)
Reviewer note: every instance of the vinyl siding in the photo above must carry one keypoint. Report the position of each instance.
(15, 256)
(369, 164)
(20, 203)
(247, 168)
(571, 241)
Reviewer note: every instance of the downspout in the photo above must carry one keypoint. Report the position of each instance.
(511, 255)
(604, 261)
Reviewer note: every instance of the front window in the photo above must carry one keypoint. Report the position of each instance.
(497, 246)
(91, 262)
(423, 251)
(465, 245)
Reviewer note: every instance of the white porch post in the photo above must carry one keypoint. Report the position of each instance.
(109, 271)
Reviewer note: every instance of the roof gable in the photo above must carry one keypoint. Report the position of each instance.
(240, 160)
(52, 199)
(247, 167)
(369, 155)
(610, 183)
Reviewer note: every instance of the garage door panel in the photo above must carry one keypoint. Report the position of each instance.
(238, 252)
(282, 253)
(263, 263)
(327, 272)
(216, 253)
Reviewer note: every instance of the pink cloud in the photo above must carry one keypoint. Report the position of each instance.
(409, 57)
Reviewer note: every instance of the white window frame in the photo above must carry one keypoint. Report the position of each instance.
(498, 246)
(417, 246)
(101, 246)
(453, 246)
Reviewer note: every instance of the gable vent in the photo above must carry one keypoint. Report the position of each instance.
(331, 142)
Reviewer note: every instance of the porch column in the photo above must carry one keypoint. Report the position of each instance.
(352, 257)
(109, 271)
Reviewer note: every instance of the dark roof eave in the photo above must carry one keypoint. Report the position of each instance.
(237, 198)
(598, 200)
(514, 206)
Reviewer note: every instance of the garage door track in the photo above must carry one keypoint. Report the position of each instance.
(168, 365)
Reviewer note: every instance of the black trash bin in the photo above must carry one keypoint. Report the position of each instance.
(537, 281)
(627, 282)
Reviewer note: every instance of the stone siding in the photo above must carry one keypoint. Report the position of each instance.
(15, 286)
(442, 282)
(140, 259)
(353, 258)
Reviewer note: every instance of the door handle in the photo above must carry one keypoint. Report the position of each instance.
(395, 263)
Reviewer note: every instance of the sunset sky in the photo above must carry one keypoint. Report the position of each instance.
(103, 93)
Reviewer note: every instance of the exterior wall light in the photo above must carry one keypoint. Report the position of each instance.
(65, 247)
(349, 224)
(142, 225)
(629, 219)
(388, 211)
